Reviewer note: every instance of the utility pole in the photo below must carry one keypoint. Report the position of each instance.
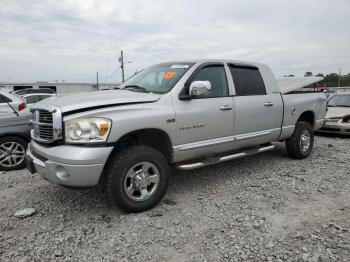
(122, 64)
(339, 77)
(97, 80)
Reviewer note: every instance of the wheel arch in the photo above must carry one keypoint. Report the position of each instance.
(23, 136)
(307, 116)
(153, 137)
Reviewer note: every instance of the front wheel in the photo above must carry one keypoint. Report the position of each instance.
(137, 178)
(300, 144)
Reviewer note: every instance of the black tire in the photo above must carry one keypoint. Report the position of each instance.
(5, 165)
(116, 177)
(294, 144)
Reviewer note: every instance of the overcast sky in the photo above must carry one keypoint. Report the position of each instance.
(71, 40)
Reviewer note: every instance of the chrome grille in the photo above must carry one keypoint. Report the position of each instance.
(47, 124)
(43, 128)
(45, 117)
(46, 132)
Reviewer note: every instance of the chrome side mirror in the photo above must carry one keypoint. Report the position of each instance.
(200, 88)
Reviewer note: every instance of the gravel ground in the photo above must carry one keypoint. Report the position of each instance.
(265, 207)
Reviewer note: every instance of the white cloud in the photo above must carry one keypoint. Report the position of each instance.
(71, 40)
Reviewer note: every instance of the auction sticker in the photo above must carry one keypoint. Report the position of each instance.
(169, 75)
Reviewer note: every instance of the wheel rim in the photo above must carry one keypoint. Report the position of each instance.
(305, 141)
(11, 154)
(141, 181)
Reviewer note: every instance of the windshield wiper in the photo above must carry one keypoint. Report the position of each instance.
(136, 87)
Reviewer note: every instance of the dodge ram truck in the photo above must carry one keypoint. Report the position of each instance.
(185, 115)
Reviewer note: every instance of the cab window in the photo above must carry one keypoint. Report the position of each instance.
(216, 75)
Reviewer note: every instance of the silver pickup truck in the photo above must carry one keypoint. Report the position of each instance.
(183, 114)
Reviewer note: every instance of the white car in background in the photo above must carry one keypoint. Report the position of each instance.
(31, 99)
(28, 91)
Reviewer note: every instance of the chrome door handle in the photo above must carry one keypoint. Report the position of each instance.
(268, 104)
(226, 107)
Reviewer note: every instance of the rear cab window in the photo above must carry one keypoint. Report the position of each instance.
(247, 81)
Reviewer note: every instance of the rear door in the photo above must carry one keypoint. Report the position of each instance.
(258, 114)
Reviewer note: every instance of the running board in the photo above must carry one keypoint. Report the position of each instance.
(247, 152)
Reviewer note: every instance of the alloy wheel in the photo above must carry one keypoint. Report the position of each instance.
(12, 154)
(141, 181)
(305, 141)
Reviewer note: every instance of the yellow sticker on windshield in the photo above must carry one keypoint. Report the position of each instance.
(169, 75)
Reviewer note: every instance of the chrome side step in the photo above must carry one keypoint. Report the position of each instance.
(243, 153)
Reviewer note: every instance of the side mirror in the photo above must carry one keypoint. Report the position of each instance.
(200, 88)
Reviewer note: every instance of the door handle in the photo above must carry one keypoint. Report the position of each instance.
(268, 104)
(226, 107)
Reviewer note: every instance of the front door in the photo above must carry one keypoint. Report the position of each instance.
(205, 123)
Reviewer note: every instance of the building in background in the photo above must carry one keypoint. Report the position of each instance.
(60, 88)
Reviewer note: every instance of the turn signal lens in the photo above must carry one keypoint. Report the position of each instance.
(103, 129)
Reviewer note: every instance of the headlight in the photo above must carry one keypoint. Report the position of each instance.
(87, 130)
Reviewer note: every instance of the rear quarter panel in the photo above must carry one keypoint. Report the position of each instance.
(296, 104)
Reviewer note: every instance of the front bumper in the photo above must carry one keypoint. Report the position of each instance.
(75, 166)
(336, 128)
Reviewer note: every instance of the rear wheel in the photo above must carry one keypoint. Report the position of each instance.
(12, 153)
(137, 178)
(300, 144)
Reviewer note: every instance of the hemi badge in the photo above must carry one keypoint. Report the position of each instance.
(172, 120)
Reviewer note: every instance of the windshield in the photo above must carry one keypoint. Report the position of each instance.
(339, 101)
(157, 79)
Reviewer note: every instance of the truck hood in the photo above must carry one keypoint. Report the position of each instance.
(98, 99)
(337, 112)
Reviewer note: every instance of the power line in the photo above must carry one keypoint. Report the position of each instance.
(107, 69)
(110, 76)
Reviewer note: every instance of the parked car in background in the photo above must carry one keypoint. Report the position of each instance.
(31, 99)
(10, 102)
(14, 133)
(329, 92)
(35, 91)
(338, 114)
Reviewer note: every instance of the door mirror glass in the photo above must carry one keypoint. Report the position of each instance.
(200, 88)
